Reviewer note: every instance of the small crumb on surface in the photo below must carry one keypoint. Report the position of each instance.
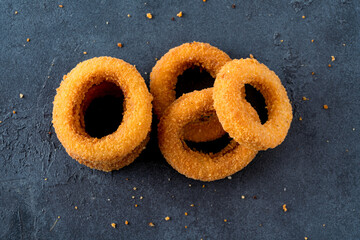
(126, 222)
(329, 65)
(14, 112)
(21, 95)
(323, 225)
(149, 16)
(76, 207)
(141, 197)
(185, 226)
(284, 208)
(305, 98)
(167, 218)
(61, 6)
(251, 56)
(192, 205)
(229, 177)
(281, 40)
(305, 238)
(180, 14)
(326, 106)
(132, 197)
(186, 213)
(45, 179)
(332, 58)
(242, 197)
(312, 40)
(134, 188)
(204, 0)
(113, 225)
(28, 39)
(300, 119)
(16, 12)
(151, 224)
(128, 15)
(85, 53)
(225, 220)
(303, 17)
(254, 197)
(120, 45)
(203, 186)
(136, 205)
(233, 6)
(172, 19)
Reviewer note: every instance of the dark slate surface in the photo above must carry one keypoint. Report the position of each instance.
(316, 171)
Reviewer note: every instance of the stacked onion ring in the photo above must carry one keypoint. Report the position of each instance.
(225, 103)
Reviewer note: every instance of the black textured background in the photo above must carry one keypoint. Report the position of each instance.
(316, 171)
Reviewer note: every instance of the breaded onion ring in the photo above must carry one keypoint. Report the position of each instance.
(164, 77)
(115, 150)
(231, 106)
(193, 164)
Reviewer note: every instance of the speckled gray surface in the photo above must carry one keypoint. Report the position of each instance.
(316, 171)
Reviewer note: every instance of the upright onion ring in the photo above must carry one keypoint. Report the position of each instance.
(115, 150)
(193, 164)
(164, 77)
(230, 104)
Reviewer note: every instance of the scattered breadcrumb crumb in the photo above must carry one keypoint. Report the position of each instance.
(28, 39)
(303, 17)
(344, 44)
(113, 225)
(229, 177)
(126, 222)
(324, 225)
(284, 208)
(332, 58)
(141, 197)
(326, 106)
(14, 111)
(149, 16)
(312, 40)
(136, 205)
(132, 197)
(204, 0)
(305, 98)
(16, 12)
(185, 226)
(281, 40)
(134, 188)
(21, 95)
(186, 213)
(225, 220)
(300, 119)
(251, 56)
(203, 186)
(85, 53)
(128, 15)
(329, 65)
(76, 207)
(180, 14)
(242, 197)
(151, 224)
(233, 6)
(120, 45)
(312, 73)
(167, 218)
(45, 179)
(172, 19)
(192, 205)
(305, 238)
(61, 6)
(254, 197)
(0, 121)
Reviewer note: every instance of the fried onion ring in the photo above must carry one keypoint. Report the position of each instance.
(119, 148)
(194, 164)
(164, 77)
(231, 106)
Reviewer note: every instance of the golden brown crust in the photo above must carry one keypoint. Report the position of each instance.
(112, 151)
(193, 164)
(164, 76)
(230, 104)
